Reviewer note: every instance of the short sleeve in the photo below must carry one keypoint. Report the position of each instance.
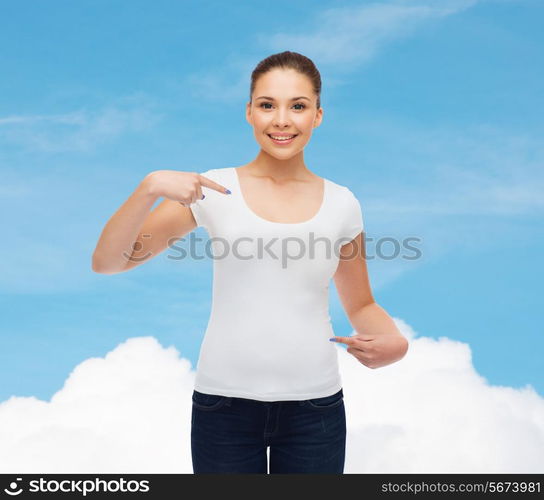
(353, 218)
(199, 207)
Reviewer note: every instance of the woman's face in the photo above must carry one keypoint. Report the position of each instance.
(274, 110)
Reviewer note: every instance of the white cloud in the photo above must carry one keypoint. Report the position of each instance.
(355, 34)
(126, 412)
(226, 85)
(479, 169)
(79, 130)
(432, 412)
(340, 35)
(130, 412)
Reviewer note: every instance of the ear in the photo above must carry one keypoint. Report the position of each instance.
(318, 117)
(248, 113)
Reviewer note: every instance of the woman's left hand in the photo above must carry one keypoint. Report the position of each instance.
(375, 351)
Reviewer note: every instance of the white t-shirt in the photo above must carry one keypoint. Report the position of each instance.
(268, 333)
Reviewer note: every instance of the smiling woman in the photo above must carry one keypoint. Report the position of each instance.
(284, 105)
(266, 366)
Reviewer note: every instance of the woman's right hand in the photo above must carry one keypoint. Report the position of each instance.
(183, 187)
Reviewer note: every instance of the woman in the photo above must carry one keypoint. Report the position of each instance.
(267, 376)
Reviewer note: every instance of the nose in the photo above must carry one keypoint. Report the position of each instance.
(281, 119)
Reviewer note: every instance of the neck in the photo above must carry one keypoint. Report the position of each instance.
(265, 165)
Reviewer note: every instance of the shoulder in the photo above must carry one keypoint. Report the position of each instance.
(215, 173)
(348, 210)
(341, 192)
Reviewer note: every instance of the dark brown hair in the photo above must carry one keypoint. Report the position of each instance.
(288, 60)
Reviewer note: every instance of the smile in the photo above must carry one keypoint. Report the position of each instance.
(282, 139)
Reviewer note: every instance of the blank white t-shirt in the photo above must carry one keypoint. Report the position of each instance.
(268, 332)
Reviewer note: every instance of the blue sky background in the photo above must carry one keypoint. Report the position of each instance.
(432, 117)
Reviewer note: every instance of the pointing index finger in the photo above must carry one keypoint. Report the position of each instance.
(345, 340)
(205, 181)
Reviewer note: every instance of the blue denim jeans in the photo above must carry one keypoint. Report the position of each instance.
(232, 435)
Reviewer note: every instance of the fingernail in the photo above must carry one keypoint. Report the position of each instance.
(203, 196)
(333, 339)
(228, 191)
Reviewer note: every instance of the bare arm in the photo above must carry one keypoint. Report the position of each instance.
(133, 235)
(117, 241)
(377, 342)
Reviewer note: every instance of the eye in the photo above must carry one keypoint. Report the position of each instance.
(297, 104)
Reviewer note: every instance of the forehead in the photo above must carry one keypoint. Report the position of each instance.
(283, 82)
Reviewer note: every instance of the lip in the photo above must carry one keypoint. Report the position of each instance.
(284, 142)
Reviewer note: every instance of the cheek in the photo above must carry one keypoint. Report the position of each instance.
(259, 133)
(305, 125)
(260, 122)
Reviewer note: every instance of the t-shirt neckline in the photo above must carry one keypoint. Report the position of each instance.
(248, 209)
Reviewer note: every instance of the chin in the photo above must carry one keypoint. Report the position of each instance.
(279, 156)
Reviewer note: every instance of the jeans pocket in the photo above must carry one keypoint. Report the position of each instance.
(208, 402)
(326, 402)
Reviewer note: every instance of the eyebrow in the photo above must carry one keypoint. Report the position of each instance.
(292, 99)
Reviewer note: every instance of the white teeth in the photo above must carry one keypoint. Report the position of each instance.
(282, 138)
